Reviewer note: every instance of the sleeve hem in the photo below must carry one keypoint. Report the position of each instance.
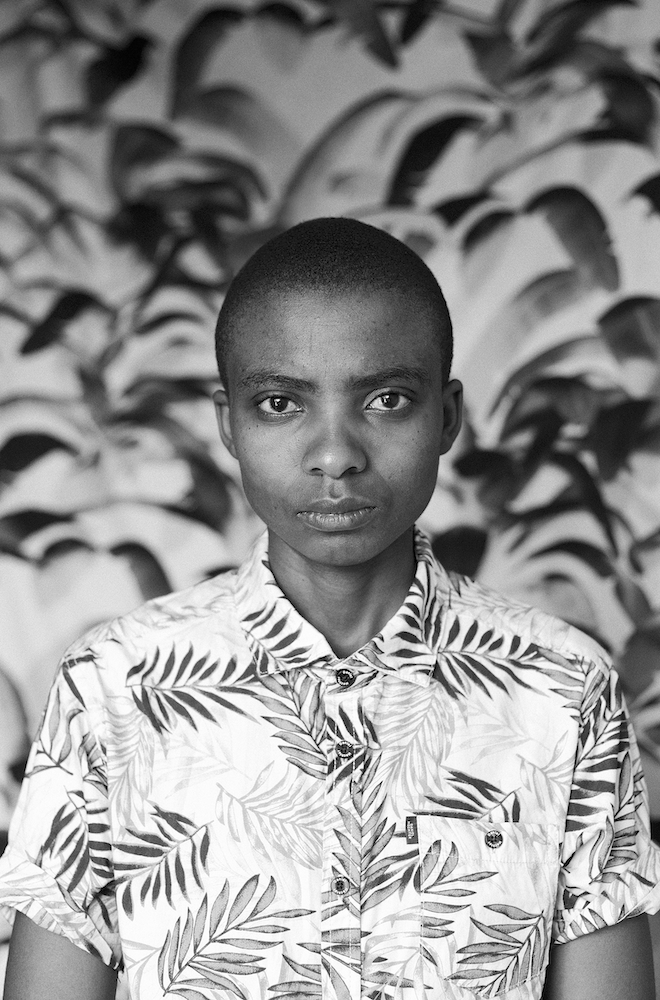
(30, 890)
(578, 922)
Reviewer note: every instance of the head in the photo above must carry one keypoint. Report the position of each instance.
(334, 346)
(333, 256)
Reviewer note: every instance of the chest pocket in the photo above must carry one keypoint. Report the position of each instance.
(487, 901)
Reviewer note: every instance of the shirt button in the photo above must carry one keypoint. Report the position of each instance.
(494, 839)
(340, 885)
(345, 677)
(345, 749)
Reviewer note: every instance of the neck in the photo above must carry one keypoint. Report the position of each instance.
(349, 605)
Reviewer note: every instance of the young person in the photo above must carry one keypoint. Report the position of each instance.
(339, 771)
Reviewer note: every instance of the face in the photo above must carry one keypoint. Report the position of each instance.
(337, 413)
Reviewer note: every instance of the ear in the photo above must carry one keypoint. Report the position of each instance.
(453, 413)
(221, 403)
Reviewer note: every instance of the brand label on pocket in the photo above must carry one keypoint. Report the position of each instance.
(411, 830)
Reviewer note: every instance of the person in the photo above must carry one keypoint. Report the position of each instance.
(339, 771)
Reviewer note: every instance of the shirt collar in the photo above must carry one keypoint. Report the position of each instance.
(281, 638)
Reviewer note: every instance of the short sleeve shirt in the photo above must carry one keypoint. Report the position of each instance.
(219, 805)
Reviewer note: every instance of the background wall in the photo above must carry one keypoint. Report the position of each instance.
(146, 148)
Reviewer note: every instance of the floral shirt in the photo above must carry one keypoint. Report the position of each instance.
(218, 804)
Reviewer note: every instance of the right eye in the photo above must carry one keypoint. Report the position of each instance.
(277, 405)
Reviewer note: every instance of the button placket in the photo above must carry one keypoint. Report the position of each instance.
(342, 849)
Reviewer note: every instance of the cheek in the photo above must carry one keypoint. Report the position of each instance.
(416, 471)
(263, 479)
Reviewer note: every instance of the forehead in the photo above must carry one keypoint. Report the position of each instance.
(323, 333)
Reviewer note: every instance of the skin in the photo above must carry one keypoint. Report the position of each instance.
(46, 966)
(615, 963)
(309, 434)
(339, 403)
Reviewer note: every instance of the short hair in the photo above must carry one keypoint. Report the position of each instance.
(330, 256)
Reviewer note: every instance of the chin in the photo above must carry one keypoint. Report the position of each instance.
(346, 550)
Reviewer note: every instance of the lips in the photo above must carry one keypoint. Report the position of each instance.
(343, 506)
(346, 514)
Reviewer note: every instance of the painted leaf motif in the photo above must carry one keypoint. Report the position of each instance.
(222, 942)
(153, 861)
(182, 687)
(299, 721)
(512, 953)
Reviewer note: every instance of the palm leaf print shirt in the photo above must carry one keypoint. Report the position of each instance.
(221, 807)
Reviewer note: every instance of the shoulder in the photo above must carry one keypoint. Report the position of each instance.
(202, 615)
(523, 628)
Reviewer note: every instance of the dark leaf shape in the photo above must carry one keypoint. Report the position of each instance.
(586, 487)
(23, 449)
(593, 556)
(482, 462)
(68, 307)
(342, 991)
(148, 572)
(209, 501)
(218, 910)
(494, 54)
(150, 396)
(461, 548)
(485, 227)
(507, 10)
(134, 147)
(143, 226)
(631, 111)
(636, 604)
(281, 29)
(420, 155)
(518, 385)
(15, 528)
(238, 111)
(454, 209)
(12, 311)
(632, 328)
(62, 548)
(417, 14)
(362, 21)
(157, 322)
(582, 230)
(615, 434)
(194, 52)
(243, 898)
(547, 404)
(513, 912)
(557, 28)
(500, 478)
(650, 189)
(115, 68)
(546, 295)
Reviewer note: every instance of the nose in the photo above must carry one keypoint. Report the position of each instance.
(334, 451)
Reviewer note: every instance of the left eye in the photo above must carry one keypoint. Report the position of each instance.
(389, 401)
(277, 404)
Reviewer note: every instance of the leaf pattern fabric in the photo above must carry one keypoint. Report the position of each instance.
(219, 806)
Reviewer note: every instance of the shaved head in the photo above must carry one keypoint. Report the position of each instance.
(332, 257)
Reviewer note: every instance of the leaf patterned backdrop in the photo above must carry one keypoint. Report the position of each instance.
(147, 147)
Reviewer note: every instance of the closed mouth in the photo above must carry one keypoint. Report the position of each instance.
(344, 506)
(342, 515)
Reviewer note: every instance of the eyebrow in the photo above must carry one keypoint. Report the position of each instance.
(396, 373)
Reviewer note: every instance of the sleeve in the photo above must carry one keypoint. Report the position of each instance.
(610, 867)
(57, 868)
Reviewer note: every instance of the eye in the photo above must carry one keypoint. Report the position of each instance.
(388, 402)
(277, 405)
